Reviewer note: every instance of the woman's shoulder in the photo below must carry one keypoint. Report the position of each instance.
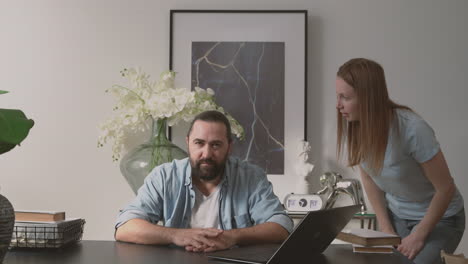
(410, 122)
(407, 115)
(417, 135)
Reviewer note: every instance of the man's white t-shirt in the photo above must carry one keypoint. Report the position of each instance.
(205, 212)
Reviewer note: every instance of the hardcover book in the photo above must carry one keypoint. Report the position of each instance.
(46, 216)
(375, 249)
(367, 237)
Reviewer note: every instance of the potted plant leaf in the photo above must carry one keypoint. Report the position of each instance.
(14, 127)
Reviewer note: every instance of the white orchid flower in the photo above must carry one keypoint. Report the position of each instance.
(144, 99)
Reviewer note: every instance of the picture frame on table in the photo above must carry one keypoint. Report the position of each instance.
(256, 63)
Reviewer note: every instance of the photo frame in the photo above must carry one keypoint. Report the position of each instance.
(256, 62)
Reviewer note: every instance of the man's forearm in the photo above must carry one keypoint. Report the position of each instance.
(268, 232)
(143, 232)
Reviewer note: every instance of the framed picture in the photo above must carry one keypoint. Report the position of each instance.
(256, 63)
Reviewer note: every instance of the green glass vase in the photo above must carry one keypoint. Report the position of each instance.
(138, 163)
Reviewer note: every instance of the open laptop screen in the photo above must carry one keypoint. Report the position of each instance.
(312, 236)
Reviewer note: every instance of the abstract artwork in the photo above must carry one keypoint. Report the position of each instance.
(248, 80)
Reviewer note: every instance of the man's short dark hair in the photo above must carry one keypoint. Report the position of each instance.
(213, 116)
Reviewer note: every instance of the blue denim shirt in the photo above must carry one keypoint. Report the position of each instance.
(246, 197)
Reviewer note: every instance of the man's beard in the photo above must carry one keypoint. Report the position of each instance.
(207, 173)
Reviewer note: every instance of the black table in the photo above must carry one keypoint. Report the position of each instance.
(106, 252)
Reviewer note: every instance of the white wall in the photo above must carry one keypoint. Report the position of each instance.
(57, 58)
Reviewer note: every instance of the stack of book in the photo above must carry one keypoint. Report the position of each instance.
(370, 241)
(45, 229)
(39, 216)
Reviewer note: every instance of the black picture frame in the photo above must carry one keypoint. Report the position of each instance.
(192, 27)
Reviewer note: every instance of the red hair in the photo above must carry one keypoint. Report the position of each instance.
(366, 139)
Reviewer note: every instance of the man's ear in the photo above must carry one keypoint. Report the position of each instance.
(186, 141)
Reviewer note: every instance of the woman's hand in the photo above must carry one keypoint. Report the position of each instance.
(411, 245)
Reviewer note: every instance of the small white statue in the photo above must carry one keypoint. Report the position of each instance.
(302, 167)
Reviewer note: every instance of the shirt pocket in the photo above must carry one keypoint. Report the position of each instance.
(241, 221)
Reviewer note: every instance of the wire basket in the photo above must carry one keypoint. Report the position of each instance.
(47, 235)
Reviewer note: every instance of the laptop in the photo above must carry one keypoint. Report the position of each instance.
(311, 237)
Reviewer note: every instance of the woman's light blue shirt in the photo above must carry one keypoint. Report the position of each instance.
(407, 190)
(246, 197)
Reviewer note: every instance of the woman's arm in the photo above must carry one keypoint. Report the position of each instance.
(377, 200)
(437, 172)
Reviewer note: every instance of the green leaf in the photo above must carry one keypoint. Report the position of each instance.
(14, 127)
(6, 147)
(3, 92)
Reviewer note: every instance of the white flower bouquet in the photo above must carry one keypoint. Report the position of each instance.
(145, 99)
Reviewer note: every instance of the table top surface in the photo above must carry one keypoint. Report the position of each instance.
(104, 252)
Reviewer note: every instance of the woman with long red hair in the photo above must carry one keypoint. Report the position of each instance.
(402, 167)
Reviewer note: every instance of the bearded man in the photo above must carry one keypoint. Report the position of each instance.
(209, 201)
